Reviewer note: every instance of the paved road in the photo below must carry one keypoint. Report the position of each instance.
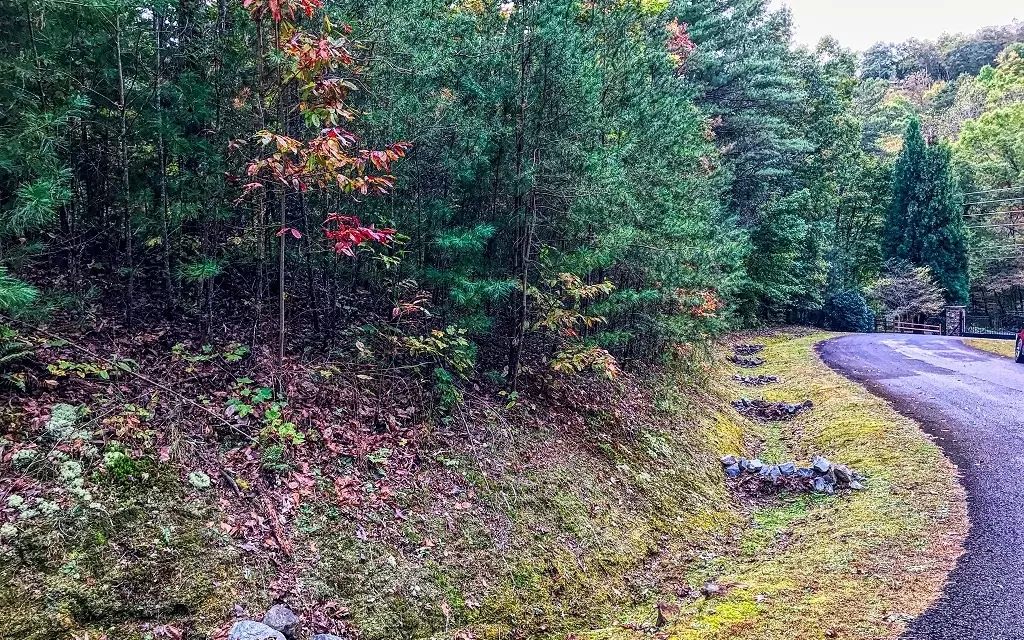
(973, 404)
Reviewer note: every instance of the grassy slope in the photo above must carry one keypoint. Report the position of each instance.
(1003, 348)
(581, 522)
(855, 566)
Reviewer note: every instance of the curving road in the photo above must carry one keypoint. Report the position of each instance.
(972, 403)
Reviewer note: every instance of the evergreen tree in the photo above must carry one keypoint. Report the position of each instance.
(900, 237)
(925, 223)
(941, 225)
(749, 83)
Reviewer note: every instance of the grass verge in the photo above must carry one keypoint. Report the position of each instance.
(856, 566)
(1003, 348)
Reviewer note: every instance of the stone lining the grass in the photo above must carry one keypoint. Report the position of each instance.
(755, 381)
(823, 476)
(771, 411)
(746, 363)
(748, 349)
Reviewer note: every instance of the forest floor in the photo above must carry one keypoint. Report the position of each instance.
(153, 488)
(1003, 348)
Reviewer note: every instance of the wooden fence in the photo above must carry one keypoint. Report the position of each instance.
(914, 327)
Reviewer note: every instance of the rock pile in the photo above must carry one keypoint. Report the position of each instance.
(771, 411)
(746, 363)
(280, 623)
(748, 349)
(755, 381)
(822, 476)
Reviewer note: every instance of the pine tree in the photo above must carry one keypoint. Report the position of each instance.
(941, 225)
(900, 238)
(925, 221)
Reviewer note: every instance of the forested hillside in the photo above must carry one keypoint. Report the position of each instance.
(317, 300)
(519, 170)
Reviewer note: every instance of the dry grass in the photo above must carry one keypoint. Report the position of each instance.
(855, 566)
(1003, 348)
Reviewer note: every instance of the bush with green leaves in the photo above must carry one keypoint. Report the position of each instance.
(849, 311)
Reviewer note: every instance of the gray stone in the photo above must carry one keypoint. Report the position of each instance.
(252, 630)
(283, 619)
(756, 465)
(772, 473)
(732, 470)
(842, 473)
(821, 464)
(856, 486)
(728, 461)
(819, 485)
(805, 472)
(788, 468)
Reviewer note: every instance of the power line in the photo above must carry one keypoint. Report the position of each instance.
(975, 193)
(972, 204)
(994, 213)
(997, 225)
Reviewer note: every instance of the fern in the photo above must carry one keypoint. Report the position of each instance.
(13, 350)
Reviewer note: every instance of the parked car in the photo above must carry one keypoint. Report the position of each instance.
(1019, 351)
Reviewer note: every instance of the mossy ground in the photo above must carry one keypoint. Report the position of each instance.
(536, 522)
(855, 566)
(1003, 348)
(575, 525)
(143, 553)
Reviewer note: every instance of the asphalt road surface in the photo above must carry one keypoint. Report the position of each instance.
(972, 403)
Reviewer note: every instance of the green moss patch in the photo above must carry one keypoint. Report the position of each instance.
(851, 566)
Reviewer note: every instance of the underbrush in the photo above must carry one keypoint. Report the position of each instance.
(171, 493)
(160, 486)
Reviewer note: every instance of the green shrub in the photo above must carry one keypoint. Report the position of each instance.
(849, 311)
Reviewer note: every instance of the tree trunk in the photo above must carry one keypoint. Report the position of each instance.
(126, 183)
(521, 250)
(165, 236)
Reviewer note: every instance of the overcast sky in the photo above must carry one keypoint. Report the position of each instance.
(858, 24)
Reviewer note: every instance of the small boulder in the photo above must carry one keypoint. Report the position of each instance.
(252, 630)
(771, 472)
(712, 589)
(856, 486)
(756, 465)
(842, 473)
(733, 470)
(821, 464)
(788, 468)
(283, 619)
(729, 460)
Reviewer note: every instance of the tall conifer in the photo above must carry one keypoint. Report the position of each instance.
(925, 223)
(901, 221)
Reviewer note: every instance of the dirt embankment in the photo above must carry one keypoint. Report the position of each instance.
(576, 504)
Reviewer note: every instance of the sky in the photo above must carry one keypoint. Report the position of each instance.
(858, 24)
